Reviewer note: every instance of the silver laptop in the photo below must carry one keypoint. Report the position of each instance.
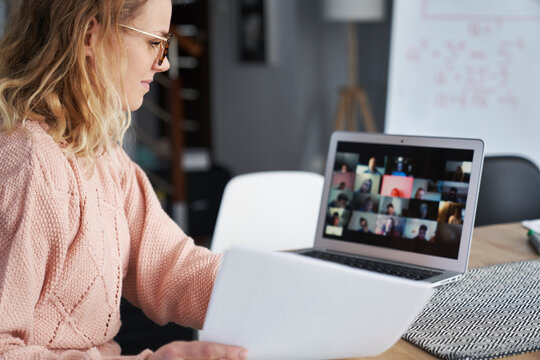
(399, 205)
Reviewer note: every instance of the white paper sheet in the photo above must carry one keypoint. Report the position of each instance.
(288, 306)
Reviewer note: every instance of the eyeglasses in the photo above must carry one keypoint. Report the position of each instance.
(163, 45)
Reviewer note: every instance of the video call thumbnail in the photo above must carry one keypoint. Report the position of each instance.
(343, 181)
(371, 166)
(391, 226)
(451, 213)
(338, 216)
(399, 166)
(422, 209)
(426, 189)
(363, 222)
(458, 171)
(455, 191)
(366, 203)
(423, 230)
(340, 198)
(397, 186)
(367, 183)
(407, 199)
(346, 162)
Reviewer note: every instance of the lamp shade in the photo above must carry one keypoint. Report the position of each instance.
(353, 10)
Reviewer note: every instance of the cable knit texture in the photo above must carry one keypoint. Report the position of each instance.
(71, 245)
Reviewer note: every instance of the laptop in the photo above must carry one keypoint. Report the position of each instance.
(399, 205)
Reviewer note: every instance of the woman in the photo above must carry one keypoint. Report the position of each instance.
(420, 194)
(389, 228)
(455, 218)
(390, 209)
(80, 225)
(367, 205)
(366, 186)
(395, 192)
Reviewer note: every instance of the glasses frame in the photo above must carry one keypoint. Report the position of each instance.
(164, 45)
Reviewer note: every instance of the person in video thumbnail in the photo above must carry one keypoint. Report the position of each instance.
(395, 192)
(420, 193)
(364, 226)
(458, 174)
(335, 219)
(367, 205)
(452, 196)
(455, 218)
(340, 186)
(372, 169)
(389, 228)
(399, 168)
(390, 209)
(421, 233)
(366, 186)
(423, 211)
(341, 201)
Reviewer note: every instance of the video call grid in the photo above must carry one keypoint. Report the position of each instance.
(402, 197)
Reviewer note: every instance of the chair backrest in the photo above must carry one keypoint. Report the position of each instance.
(509, 190)
(274, 210)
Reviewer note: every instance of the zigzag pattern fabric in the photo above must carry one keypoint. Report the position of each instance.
(494, 311)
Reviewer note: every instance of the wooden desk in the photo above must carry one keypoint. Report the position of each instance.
(491, 244)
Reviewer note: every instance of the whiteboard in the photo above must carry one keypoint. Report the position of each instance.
(467, 68)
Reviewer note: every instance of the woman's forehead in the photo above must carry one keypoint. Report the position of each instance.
(155, 16)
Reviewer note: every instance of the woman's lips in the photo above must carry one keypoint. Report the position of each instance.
(146, 85)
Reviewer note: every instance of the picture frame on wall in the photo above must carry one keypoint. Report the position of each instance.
(253, 32)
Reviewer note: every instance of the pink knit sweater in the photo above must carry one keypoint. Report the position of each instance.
(71, 246)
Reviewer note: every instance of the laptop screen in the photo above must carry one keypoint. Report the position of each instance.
(407, 198)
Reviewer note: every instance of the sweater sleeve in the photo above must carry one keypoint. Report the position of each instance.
(168, 277)
(31, 224)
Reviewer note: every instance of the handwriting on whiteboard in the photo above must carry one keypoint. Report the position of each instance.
(471, 67)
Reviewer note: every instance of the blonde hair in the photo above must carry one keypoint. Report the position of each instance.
(45, 75)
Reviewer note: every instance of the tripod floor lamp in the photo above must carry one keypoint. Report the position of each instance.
(353, 97)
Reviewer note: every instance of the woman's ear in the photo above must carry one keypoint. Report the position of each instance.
(90, 38)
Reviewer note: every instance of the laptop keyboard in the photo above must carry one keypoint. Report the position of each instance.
(380, 267)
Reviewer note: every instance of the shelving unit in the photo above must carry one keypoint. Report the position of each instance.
(174, 120)
(175, 117)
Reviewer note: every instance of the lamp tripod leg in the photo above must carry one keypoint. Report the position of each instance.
(339, 119)
(352, 119)
(365, 108)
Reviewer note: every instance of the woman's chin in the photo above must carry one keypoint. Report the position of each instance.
(133, 105)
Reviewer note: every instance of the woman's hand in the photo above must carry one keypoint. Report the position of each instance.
(198, 350)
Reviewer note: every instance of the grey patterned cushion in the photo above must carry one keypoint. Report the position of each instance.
(493, 311)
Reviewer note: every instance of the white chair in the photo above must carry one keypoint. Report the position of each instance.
(273, 210)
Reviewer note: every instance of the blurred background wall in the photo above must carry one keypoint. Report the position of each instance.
(280, 115)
